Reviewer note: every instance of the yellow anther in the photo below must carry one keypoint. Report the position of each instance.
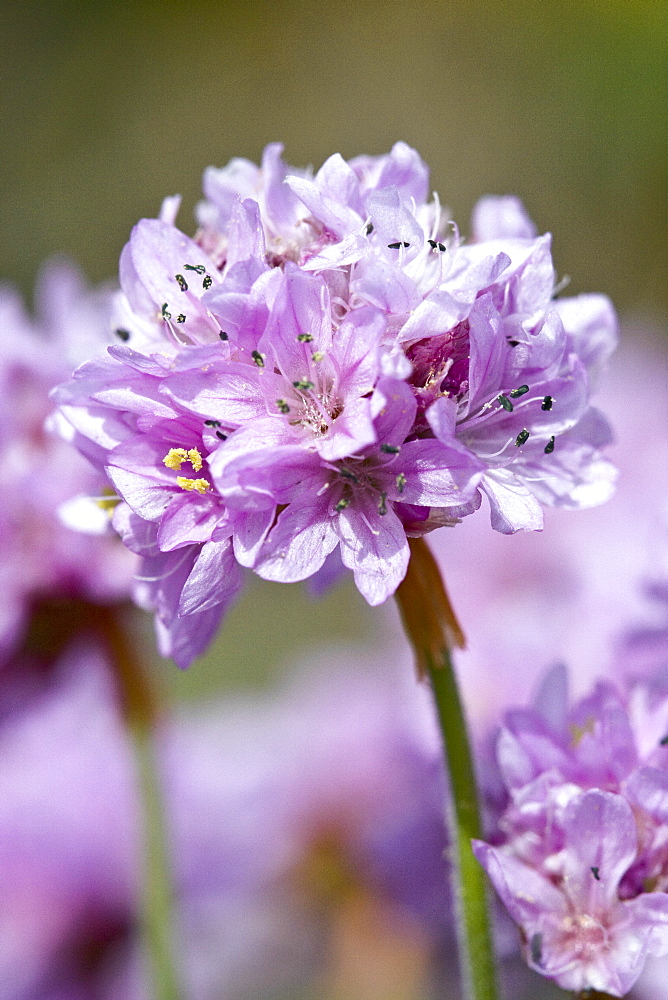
(175, 458)
(200, 485)
(108, 500)
(578, 731)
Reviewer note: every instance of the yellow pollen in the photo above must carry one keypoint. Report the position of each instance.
(201, 485)
(108, 500)
(175, 458)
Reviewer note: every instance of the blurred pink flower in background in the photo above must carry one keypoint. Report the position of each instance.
(43, 475)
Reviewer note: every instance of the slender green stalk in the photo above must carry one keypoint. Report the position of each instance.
(468, 878)
(432, 629)
(157, 895)
(141, 713)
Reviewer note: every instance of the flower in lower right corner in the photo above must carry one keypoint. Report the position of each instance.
(580, 859)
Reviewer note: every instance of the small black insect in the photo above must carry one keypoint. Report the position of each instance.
(122, 334)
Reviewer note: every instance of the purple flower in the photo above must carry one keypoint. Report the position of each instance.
(43, 476)
(580, 859)
(361, 806)
(568, 593)
(369, 376)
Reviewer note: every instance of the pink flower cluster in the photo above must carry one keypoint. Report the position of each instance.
(581, 861)
(42, 555)
(326, 370)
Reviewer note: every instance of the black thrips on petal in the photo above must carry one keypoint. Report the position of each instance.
(122, 334)
(595, 872)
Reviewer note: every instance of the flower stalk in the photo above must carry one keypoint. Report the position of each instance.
(433, 631)
(141, 713)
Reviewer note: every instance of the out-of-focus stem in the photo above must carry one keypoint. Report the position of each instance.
(141, 713)
(433, 630)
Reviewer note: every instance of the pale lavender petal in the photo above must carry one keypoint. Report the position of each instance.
(600, 835)
(501, 217)
(647, 788)
(374, 547)
(189, 518)
(214, 579)
(250, 530)
(437, 474)
(513, 506)
(299, 543)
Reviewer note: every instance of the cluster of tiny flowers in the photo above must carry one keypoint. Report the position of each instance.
(42, 556)
(327, 369)
(581, 859)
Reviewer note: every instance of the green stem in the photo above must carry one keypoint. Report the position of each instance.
(432, 629)
(468, 878)
(141, 713)
(157, 895)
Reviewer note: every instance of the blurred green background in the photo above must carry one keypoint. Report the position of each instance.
(108, 107)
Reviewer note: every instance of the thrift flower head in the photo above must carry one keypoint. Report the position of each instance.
(581, 861)
(350, 372)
